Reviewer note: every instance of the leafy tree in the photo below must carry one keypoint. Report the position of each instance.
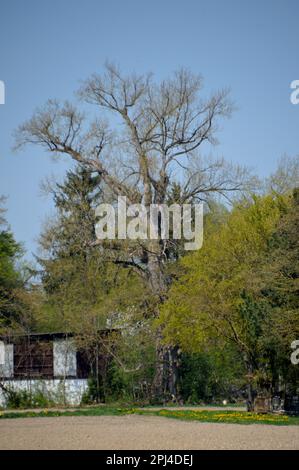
(81, 282)
(10, 278)
(217, 297)
(85, 291)
(277, 286)
(210, 376)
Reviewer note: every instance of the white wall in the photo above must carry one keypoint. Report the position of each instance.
(68, 391)
(2, 353)
(60, 389)
(6, 369)
(64, 358)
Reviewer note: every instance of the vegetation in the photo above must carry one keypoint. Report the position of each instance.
(211, 416)
(144, 144)
(241, 290)
(26, 399)
(194, 327)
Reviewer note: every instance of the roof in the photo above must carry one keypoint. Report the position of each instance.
(44, 336)
(36, 336)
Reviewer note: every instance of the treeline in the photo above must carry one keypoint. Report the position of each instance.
(241, 293)
(230, 315)
(213, 323)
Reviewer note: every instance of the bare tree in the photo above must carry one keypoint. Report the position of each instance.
(286, 176)
(154, 143)
(2, 210)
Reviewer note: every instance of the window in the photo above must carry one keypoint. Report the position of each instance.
(33, 359)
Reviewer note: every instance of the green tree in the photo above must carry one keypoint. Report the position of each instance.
(277, 286)
(82, 284)
(10, 277)
(217, 297)
(85, 290)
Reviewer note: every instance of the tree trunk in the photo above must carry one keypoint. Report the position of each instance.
(164, 385)
(158, 385)
(250, 390)
(173, 363)
(250, 398)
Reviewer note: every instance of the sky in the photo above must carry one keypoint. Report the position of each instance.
(48, 47)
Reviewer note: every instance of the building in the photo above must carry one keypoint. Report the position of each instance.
(49, 363)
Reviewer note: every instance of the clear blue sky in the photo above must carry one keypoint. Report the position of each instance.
(47, 47)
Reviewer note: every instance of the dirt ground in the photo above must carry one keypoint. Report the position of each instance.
(140, 432)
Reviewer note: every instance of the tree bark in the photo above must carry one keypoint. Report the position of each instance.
(164, 386)
(250, 389)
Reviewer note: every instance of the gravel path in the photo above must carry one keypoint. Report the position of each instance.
(140, 432)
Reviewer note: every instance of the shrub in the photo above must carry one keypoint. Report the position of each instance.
(26, 399)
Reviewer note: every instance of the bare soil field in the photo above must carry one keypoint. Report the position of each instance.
(140, 432)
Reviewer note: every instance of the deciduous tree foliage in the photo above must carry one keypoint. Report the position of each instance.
(80, 280)
(84, 290)
(277, 285)
(10, 278)
(237, 286)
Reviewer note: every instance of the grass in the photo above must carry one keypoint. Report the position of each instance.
(225, 416)
(48, 413)
(210, 416)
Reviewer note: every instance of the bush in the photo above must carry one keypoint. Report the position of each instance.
(26, 399)
(93, 392)
(210, 377)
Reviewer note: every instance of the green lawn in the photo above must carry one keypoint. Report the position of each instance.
(225, 416)
(219, 416)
